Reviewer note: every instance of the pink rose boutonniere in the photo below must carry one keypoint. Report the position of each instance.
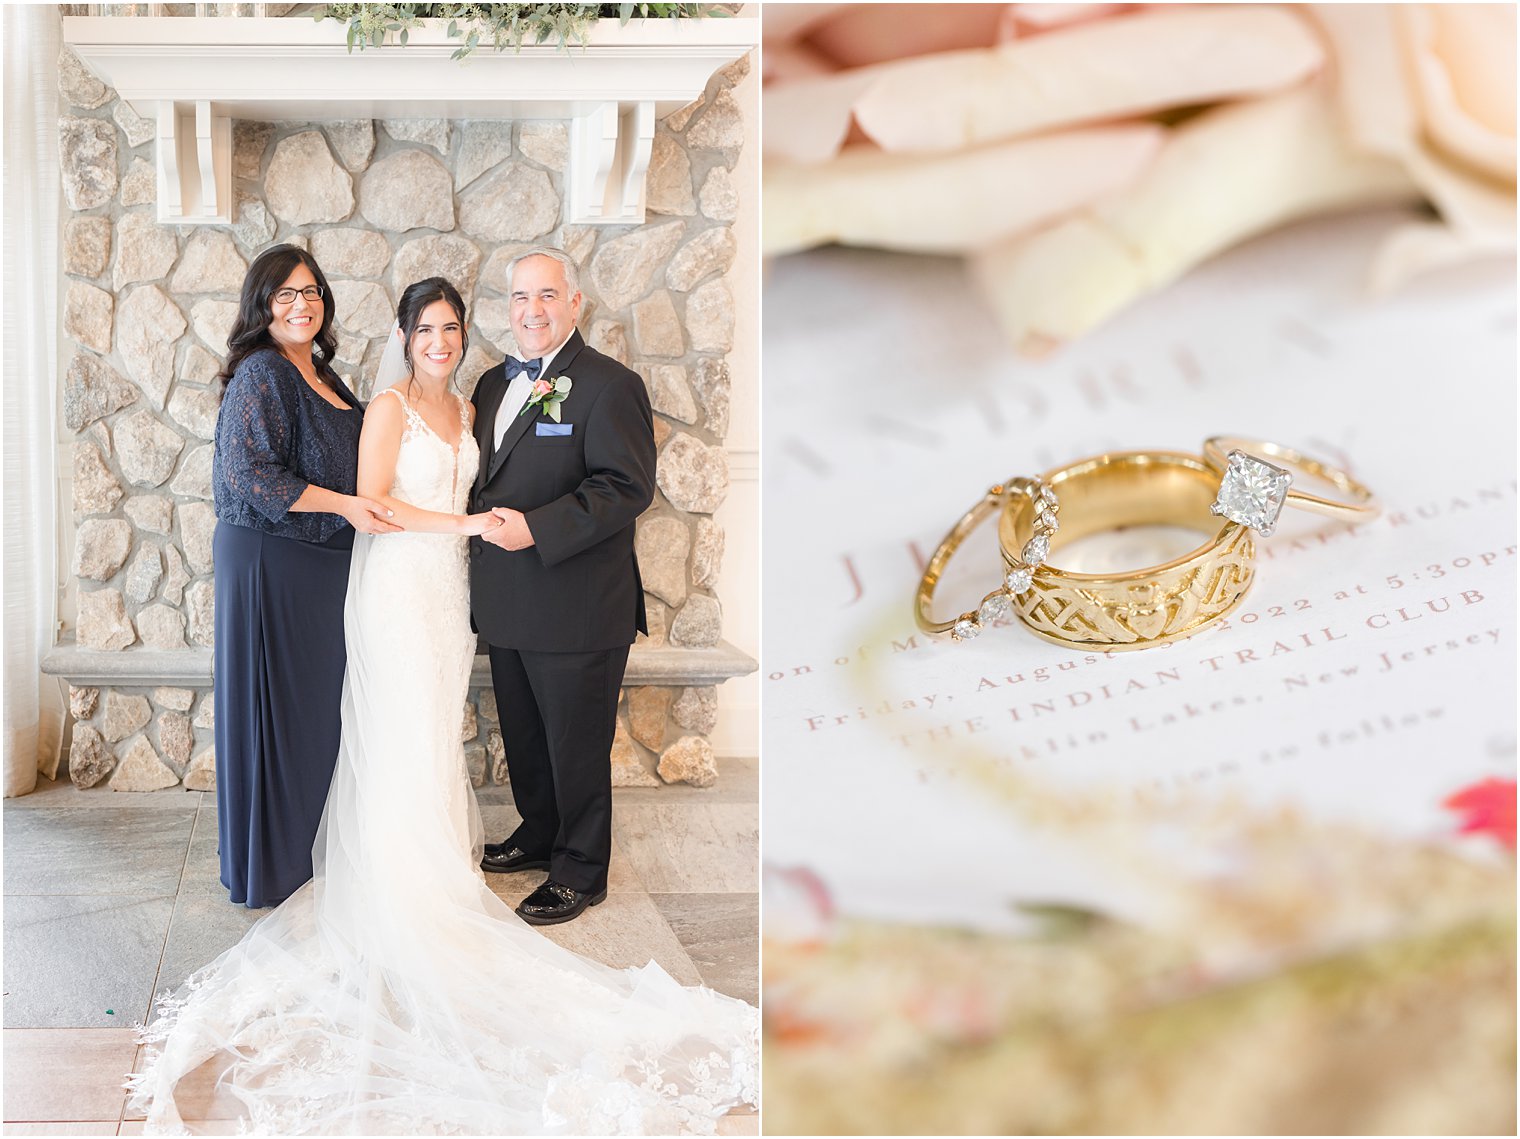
(547, 396)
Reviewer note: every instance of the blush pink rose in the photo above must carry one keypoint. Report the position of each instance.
(542, 387)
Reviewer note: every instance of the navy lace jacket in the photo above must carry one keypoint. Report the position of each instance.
(274, 437)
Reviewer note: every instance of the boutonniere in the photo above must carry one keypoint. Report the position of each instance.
(547, 395)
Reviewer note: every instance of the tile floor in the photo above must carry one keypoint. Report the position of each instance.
(113, 897)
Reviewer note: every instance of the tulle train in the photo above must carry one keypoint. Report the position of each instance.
(395, 993)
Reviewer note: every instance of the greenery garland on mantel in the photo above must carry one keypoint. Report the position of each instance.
(500, 25)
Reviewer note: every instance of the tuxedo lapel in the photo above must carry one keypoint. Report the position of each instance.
(519, 426)
(515, 431)
(566, 356)
(485, 427)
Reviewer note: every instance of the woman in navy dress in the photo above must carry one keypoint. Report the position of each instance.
(283, 474)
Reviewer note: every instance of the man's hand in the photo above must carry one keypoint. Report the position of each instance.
(513, 533)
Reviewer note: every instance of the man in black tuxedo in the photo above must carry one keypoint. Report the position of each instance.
(555, 589)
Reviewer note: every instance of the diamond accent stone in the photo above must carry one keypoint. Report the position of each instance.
(1048, 497)
(1035, 550)
(1049, 520)
(1252, 492)
(1018, 579)
(995, 607)
(966, 629)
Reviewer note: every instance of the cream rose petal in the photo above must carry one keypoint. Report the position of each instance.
(1046, 16)
(1478, 43)
(792, 63)
(1481, 208)
(1423, 247)
(1107, 69)
(782, 23)
(1463, 58)
(1478, 221)
(950, 203)
(1382, 116)
(1371, 88)
(1220, 178)
(861, 35)
(809, 119)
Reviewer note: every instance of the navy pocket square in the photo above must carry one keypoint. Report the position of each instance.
(552, 428)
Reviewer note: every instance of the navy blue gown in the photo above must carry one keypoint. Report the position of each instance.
(279, 653)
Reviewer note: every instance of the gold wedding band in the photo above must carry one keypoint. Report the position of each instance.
(1139, 608)
(1228, 493)
(1254, 490)
(999, 603)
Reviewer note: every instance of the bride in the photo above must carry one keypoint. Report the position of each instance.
(395, 993)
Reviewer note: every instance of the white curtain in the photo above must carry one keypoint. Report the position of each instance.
(33, 703)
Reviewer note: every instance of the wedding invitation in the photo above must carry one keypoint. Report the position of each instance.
(1368, 675)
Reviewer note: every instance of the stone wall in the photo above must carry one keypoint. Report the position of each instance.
(146, 308)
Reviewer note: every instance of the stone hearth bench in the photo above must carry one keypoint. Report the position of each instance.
(134, 729)
(191, 668)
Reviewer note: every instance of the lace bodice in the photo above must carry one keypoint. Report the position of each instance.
(274, 437)
(429, 473)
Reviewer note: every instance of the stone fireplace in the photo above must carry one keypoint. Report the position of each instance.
(380, 198)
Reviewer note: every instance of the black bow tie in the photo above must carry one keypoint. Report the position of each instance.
(532, 367)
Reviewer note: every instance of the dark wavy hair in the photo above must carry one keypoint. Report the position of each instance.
(414, 299)
(250, 331)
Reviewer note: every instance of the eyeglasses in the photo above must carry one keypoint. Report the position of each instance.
(310, 292)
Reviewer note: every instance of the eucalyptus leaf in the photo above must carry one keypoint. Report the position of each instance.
(506, 25)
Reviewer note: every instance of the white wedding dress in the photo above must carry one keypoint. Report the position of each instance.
(395, 993)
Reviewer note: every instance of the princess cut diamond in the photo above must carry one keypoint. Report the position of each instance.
(1251, 492)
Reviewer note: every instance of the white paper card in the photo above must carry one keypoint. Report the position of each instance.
(1369, 673)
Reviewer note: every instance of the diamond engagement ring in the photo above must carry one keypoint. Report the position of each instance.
(1140, 608)
(1230, 494)
(1044, 511)
(1254, 491)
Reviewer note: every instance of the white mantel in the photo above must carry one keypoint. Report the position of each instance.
(194, 75)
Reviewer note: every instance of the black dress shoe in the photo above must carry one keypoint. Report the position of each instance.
(503, 859)
(553, 903)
